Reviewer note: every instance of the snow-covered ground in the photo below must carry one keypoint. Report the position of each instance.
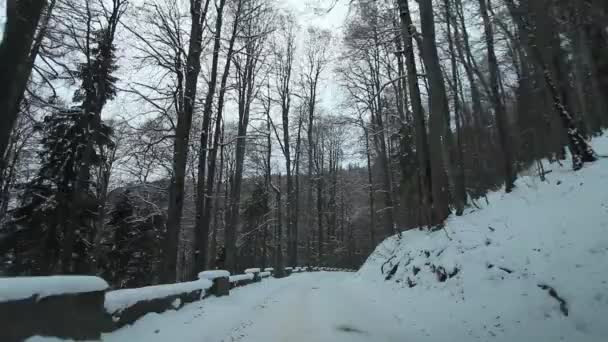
(319, 306)
(527, 266)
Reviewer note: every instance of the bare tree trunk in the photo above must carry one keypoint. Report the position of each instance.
(105, 172)
(247, 68)
(424, 162)
(370, 180)
(182, 137)
(278, 267)
(441, 134)
(205, 189)
(459, 168)
(296, 216)
(311, 183)
(16, 61)
(285, 59)
(499, 107)
(216, 206)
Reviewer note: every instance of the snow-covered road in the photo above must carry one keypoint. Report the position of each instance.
(311, 307)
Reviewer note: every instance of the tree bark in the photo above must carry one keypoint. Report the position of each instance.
(441, 134)
(16, 61)
(205, 189)
(182, 137)
(499, 107)
(422, 145)
(579, 147)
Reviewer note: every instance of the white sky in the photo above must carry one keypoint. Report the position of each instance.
(2, 16)
(330, 15)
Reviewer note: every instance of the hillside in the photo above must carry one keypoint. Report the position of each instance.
(528, 266)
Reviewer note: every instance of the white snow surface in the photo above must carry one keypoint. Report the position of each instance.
(25, 287)
(552, 233)
(213, 274)
(304, 307)
(265, 274)
(252, 270)
(268, 269)
(239, 277)
(119, 300)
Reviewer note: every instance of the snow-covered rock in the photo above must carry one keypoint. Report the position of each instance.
(265, 274)
(268, 269)
(239, 277)
(118, 300)
(27, 287)
(252, 270)
(211, 275)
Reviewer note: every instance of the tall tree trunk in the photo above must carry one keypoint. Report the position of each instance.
(205, 189)
(310, 182)
(499, 107)
(370, 180)
(441, 134)
(216, 206)
(16, 61)
(246, 88)
(182, 137)
(459, 167)
(422, 146)
(296, 211)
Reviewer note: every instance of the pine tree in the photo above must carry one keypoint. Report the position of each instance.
(133, 250)
(48, 198)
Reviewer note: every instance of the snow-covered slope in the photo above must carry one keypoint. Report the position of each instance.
(528, 266)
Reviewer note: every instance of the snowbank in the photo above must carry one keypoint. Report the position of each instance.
(213, 274)
(239, 277)
(26, 287)
(118, 300)
(268, 269)
(265, 274)
(252, 270)
(530, 265)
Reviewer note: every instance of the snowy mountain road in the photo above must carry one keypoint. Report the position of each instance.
(320, 306)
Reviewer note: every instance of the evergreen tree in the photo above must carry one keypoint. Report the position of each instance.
(133, 249)
(47, 200)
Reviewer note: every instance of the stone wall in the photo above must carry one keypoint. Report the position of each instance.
(78, 316)
(85, 315)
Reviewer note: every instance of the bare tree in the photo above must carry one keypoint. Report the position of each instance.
(198, 14)
(316, 59)
(16, 60)
(284, 48)
(255, 30)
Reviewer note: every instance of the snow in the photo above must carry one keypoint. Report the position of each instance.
(288, 268)
(265, 274)
(213, 274)
(239, 277)
(119, 300)
(506, 267)
(268, 269)
(505, 256)
(252, 270)
(25, 287)
(303, 307)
